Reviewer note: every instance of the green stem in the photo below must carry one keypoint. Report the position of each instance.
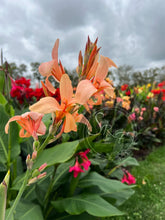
(49, 137)
(73, 184)
(12, 209)
(46, 199)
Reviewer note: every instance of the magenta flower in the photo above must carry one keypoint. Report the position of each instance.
(128, 178)
(76, 169)
(132, 117)
(156, 109)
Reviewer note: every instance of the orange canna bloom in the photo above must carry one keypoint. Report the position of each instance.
(31, 123)
(52, 68)
(66, 110)
(97, 83)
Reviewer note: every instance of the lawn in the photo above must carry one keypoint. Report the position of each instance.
(148, 202)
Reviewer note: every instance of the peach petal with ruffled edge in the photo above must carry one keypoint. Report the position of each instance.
(66, 89)
(81, 118)
(49, 86)
(70, 124)
(110, 62)
(15, 118)
(102, 69)
(45, 105)
(46, 68)
(108, 88)
(84, 91)
(23, 134)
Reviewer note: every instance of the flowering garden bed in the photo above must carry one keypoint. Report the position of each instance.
(69, 151)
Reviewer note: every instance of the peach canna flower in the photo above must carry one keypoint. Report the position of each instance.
(31, 123)
(97, 83)
(52, 68)
(66, 110)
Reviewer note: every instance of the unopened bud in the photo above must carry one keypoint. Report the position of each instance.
(34, 155)
(42, 167)
(36, 145)
(42, 175)
(33, 180)
(35, 173)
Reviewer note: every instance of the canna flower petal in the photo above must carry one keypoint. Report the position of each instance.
(15, 118)
(55, 50)
(108, 88)
(70, 123)
(110, 62)
(66, 89)
(31, 123)
(102, 69)
(49, 85)
(45, 105)
(81, 118)
(84, 91)
(46, 68)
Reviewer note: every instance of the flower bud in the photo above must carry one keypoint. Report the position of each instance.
(42, 167)
(33, 180)
(42, 175)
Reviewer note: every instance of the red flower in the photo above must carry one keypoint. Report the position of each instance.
(23, 82)
(161, 84)
(128, 178)
(124, 87)
(156, 91)
(128, 92)
(76, 169)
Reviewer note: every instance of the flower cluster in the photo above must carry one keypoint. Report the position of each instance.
(21, 91)
(128, 178)
(78, 167)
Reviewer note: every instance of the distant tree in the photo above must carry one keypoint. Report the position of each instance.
(123, 74)
(17, 71)
(35, 73)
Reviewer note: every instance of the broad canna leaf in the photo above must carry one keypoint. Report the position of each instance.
(9, 146)
(57, 154)
(106, 185)
(25, 211)
(93, 204)
(3, 195)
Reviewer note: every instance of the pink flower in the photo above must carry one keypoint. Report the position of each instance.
(132, 117)
(140, 118)
(118, 99)
(143, 109)
(128, 178)
(76, 169)
(136, 110)
(156, 109)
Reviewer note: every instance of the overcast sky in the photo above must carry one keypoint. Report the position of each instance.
(129, 32)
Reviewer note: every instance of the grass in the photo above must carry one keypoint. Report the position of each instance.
(148, 202)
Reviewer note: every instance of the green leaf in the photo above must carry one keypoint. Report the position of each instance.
(14, 140)
(101, 147)
(29, 211)
(91, 203)
(106, 185)
(3, 195)
(3, 136)
(61, 172)
(129, 161)
(57, 154)
(3, 101)
(9, 150)
(119, 197)
(2, 80)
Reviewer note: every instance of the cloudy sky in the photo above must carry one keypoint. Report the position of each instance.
(130, 32)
